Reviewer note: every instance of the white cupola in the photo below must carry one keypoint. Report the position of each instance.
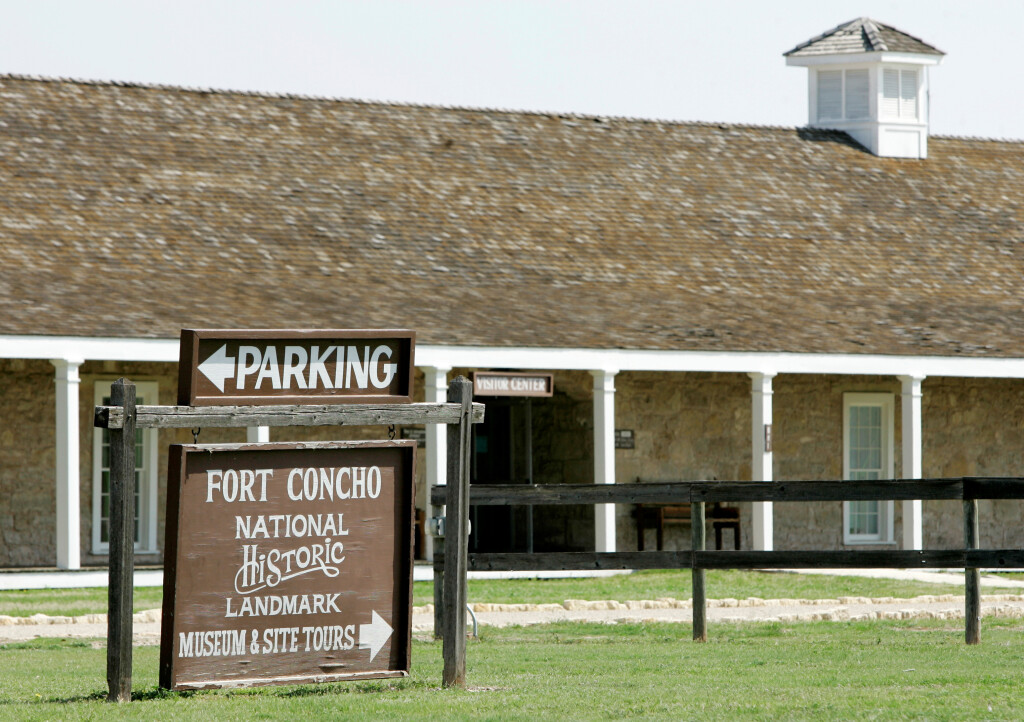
(870, 80)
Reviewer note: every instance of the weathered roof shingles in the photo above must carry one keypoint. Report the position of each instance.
(138, 211)
(863, 35)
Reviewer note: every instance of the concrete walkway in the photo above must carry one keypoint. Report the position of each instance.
(146, 626)
(76, 579)
(1010, 603)
(989, 579)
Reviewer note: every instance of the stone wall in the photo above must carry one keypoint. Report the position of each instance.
(973, 427)
(686, 426)
(28, 454)
(27, 463)
(697, 426)
(970, 427)
(808, 444)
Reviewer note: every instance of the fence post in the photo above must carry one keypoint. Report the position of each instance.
(438, 588)
(972, 577)
(456, 546)
(699, 544)
(122, 546)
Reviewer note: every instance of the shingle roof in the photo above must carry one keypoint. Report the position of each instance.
(136, 211)
(863, 35)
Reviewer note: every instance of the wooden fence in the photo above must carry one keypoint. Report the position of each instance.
(698, 558)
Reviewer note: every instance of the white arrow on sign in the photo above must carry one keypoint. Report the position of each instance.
(373, 636)
(218, 367)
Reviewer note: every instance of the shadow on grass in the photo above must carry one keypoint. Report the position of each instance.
(47, 644)
(366, 687)
(157, 694)
(146, 695)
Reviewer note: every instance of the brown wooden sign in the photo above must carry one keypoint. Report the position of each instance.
(495, 383)
(287, 563)
(290, 367)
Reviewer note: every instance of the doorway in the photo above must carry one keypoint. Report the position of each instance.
(503, 454)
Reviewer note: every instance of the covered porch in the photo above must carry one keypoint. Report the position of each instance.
(725, 416)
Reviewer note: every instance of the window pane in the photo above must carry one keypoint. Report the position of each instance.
(830, 99)
(890, 93)
(857, 97)
(866, 449)
(864, 517)
(908, 94)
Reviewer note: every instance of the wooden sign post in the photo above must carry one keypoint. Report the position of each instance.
(287, 563)
(282, 378)
(121, 584)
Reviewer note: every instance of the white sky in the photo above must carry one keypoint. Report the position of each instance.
(706, 60)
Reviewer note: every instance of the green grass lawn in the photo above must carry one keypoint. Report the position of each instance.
(71, 602)
(756, 671)
(640, 585)
(720, 584)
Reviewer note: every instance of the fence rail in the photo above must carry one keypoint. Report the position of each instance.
(967, 490)
(679, 492)
(710, 559)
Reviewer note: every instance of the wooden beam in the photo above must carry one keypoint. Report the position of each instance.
(867, 558)
(995, 558)
(698, 536)
(828, 490)
(729, 491)
(972, 578)
(587, 561)
(120, 587)
(182, 417)
(504, 494)
(728, 559)
(456, 546)
(993, 488)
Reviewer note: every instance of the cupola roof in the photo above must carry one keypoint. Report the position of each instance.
(862, 35)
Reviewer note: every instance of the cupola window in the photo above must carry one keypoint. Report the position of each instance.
(843, 94)
(899, 94)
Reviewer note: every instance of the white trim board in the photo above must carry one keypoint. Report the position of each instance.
(727, 362)
(582, 359)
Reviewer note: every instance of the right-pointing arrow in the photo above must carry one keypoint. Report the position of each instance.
(218, 367)
(374, 635)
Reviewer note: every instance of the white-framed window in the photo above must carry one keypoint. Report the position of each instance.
(145, 475)
(868, 454)
(844, 94)
(900, 94)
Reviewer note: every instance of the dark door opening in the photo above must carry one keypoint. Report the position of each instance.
(503, 454)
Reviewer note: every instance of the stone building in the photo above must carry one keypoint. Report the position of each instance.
(851, 287)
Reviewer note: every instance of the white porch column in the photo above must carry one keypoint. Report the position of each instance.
(436, 391)
(604, 456)
(761, 457)
(68, 481)
(913, 528)
(257, 434)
